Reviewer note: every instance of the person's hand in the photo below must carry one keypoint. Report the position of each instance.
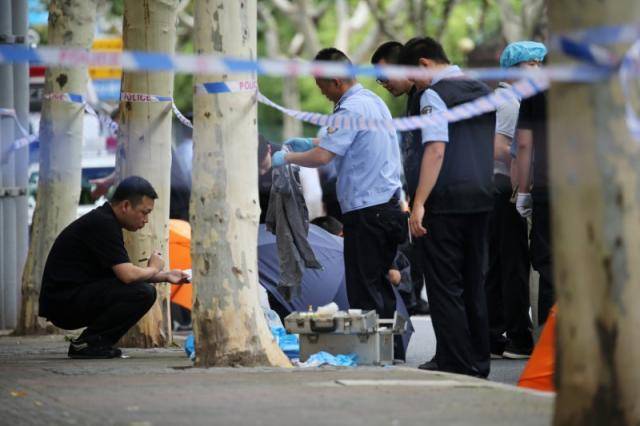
(176, 276)
(299, 144)
(100, 186)
(394, 276)
(415, 221)
(278, 159)
(156, 261)
(524, 204)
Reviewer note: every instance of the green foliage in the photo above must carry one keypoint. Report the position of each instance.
(465, 24)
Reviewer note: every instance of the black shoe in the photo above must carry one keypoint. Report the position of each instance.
(79, 349)
(512, 351)
(420, 308)
(431, 365)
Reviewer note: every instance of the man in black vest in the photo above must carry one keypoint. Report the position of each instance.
(411, 151)
(450, 212)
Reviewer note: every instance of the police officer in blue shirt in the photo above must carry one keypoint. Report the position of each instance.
(450, 213)
(368, 187)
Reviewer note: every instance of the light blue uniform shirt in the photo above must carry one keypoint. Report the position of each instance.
(367, 161)
(431, 102)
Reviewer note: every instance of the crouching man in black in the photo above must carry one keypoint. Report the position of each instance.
(90, 282)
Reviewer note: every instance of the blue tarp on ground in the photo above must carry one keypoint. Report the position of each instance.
(319, 287)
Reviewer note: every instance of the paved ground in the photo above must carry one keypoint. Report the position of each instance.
(423, 347)
(39, 385)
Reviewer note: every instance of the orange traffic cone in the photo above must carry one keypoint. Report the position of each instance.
(539, 371)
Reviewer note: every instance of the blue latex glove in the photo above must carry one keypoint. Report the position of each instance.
(277, 159)
(299, 144)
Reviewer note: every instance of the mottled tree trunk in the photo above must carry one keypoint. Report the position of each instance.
(291, 100)
(595, 171)
(71, 24)
(229, 325)
(145, 150)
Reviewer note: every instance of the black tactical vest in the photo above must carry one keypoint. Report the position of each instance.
(465, 183)
(412, 147)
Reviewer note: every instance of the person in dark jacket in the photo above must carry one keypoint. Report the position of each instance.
(450, 212)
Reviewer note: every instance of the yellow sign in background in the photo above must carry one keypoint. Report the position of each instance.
(113, 44)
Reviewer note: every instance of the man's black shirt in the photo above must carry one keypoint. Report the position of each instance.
(533, 116)
(84, 252)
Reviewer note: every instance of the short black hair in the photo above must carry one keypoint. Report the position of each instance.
(389, 51)
(333, 55)
(329, 224)
(133, 188)
(422, 47)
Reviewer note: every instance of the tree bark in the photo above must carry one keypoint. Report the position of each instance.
(595, 221)
(145, 150)
(71, 24)
(229, 325)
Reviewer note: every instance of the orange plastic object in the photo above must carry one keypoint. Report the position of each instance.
(180, 258)
(538, 374)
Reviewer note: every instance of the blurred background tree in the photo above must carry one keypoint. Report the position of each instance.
(473, 33)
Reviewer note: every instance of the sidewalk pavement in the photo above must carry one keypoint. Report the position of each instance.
(40, 385)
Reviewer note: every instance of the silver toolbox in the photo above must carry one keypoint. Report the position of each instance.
(342, 333)
(339, 322)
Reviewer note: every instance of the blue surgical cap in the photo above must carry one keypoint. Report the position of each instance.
(522, 51)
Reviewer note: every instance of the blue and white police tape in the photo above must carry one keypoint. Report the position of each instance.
(75, 98)
(7, 112)
(184, 120)
(25, 140)
(213, 64)
(605, 35)
(520, 90)
(629, 70)
(230, 86)
(143, 97)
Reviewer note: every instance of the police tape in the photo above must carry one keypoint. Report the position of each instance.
(25, 140)
(519, 90)
(106, 121)
(629, 70)
(143, 97)
(229, 86)
(215, 64)
(65, 97)
(605, 35)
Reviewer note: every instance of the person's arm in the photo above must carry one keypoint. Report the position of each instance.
(313, 158)
(102, 185)
(429, 171)
(174, 276)
(501, 151)
(523, 159)
(434, 138)
(129, 273)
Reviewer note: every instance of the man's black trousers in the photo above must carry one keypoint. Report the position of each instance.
(507, 283)
(541, 259)
(371, 239)
(456, 257)
(108, 309)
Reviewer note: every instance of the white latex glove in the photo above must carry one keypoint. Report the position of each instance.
(524, 204)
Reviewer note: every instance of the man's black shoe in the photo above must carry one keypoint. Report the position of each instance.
(82, 350)
(420, 308)
(431, 365)
(512, 351)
